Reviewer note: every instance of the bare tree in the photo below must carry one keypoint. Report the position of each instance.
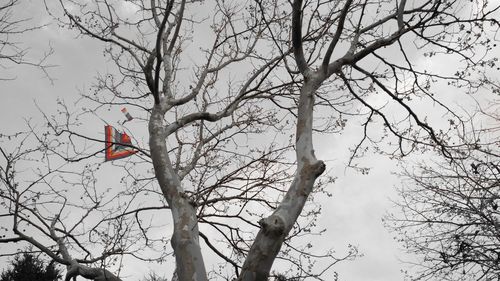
(449, 212)
(210, 81)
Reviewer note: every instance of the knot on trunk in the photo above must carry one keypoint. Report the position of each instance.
(312, 171)
(318, 168)
(273, 226)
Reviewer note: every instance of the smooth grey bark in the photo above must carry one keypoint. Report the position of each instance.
(185, 239)
(276, 227)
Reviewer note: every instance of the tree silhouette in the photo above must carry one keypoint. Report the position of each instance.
(449, 215)
(28, 267)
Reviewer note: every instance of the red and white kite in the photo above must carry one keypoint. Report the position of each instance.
(117, 144)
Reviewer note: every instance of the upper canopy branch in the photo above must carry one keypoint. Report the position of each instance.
(298, 50)
(243, 94)
(351, 56)
(415, 117)
(159, 59)
(336, 36)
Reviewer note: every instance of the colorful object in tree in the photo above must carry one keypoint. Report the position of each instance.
(129, 117)
(117, 144)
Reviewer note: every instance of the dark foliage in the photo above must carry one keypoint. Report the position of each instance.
(28, 267)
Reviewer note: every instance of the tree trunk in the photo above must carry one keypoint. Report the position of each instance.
(276, 227)
(185, 239)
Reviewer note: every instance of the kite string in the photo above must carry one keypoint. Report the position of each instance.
(100, 118)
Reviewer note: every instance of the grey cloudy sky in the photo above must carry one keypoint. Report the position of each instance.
(352, 216)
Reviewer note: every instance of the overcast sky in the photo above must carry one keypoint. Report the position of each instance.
(352, 216)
